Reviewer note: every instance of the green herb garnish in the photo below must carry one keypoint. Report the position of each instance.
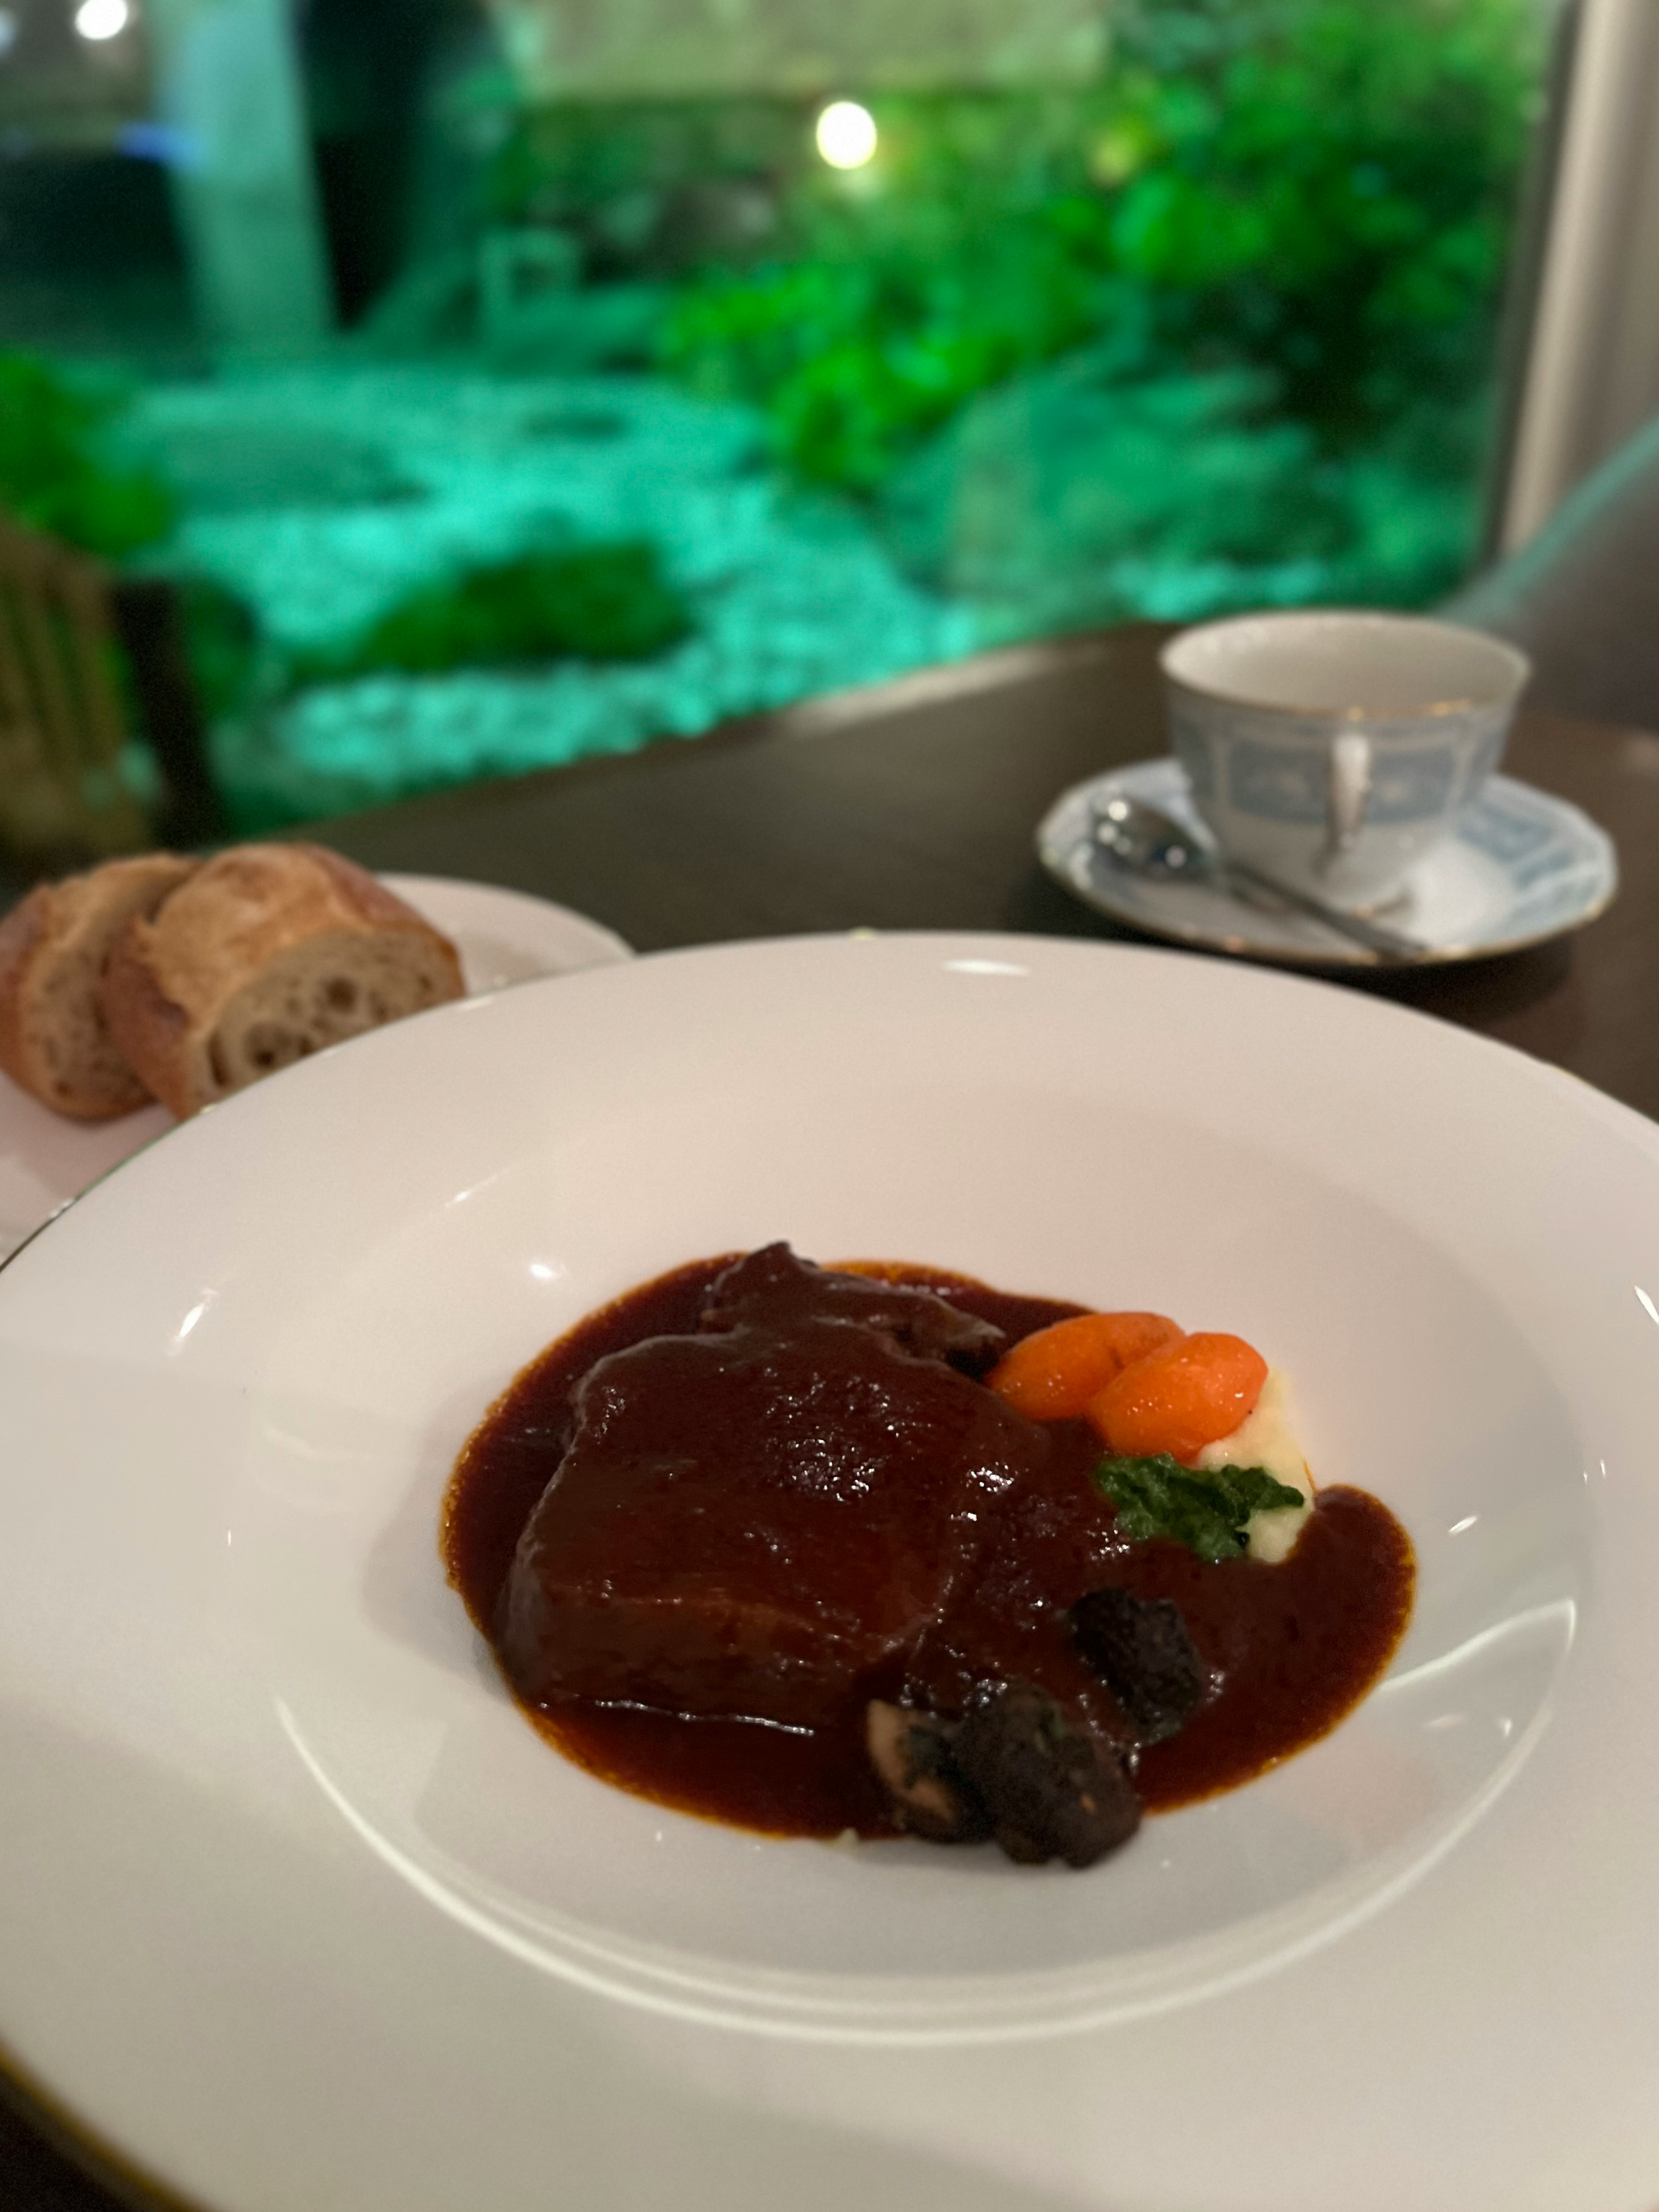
(1207, 1509)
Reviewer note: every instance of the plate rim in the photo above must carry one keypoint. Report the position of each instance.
(412, 883)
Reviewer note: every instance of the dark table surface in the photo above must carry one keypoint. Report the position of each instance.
(912, 807)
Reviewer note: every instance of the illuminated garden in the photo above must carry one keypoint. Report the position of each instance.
(666, 393)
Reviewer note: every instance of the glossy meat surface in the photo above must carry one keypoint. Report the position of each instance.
(752, 1519)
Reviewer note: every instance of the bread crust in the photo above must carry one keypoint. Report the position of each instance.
(147, 1026)
(170, 980)
(53, 1038)
(22, 934)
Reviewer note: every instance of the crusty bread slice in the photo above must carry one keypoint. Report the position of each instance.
(54, 948)
(268, 953)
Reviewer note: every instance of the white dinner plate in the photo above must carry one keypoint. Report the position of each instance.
(298, 1914)
(503, 937)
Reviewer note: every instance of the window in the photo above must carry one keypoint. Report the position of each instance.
(515, 383)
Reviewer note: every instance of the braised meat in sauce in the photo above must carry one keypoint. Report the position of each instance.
(756, 1518)
(758, 1542)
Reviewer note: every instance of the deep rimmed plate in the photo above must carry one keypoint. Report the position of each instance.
(296, 1911)
(1519, 867)
(503, 937)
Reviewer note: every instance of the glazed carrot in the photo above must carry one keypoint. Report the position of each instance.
(1180, 1397)
(1053, 1375)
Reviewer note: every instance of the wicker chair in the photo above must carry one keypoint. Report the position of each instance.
(87, 660)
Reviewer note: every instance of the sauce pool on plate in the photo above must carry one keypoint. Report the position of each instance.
(790, 1508)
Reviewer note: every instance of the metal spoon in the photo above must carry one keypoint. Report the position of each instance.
(1148, 842)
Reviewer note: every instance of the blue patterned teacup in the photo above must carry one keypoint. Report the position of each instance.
(1332, 751)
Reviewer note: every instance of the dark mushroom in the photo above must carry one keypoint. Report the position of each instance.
(912, 1755)
(1141, 1650)
(1050, 1790)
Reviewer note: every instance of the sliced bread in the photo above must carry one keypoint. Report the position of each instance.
(54, 1040)
(268, 953)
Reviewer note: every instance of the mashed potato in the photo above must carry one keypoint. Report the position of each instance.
(1268, 1439)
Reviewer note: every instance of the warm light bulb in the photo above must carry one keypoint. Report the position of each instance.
(846, 133)
(102, 19)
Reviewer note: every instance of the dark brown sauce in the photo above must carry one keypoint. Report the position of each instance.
(1295, 1645)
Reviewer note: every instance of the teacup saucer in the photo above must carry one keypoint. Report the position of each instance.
(1519, 866)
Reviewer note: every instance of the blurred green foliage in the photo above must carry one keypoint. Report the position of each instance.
(603, 602)
(653, 188)
(1065, 497)
(1321, 188)
(1314, 196)
(227, 648)
(54, 474)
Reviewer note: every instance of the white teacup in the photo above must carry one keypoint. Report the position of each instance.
(1332, 750)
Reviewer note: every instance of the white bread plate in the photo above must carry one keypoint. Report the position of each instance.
(503, 937)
